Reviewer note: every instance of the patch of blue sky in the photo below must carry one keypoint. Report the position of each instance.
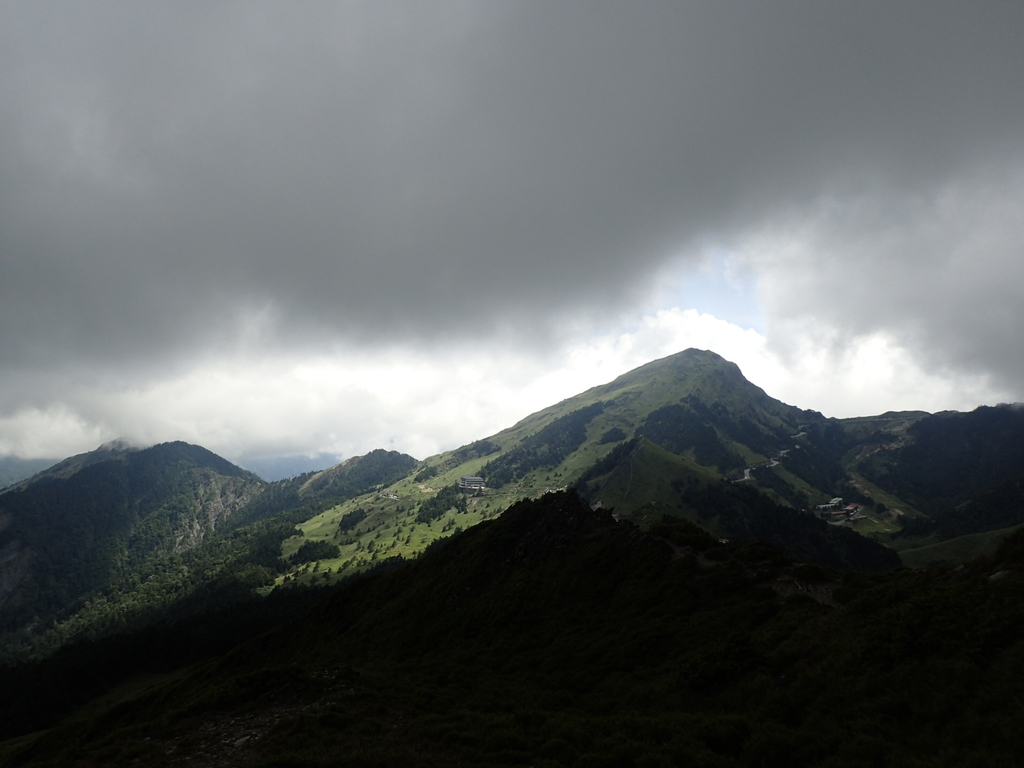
(720, 285)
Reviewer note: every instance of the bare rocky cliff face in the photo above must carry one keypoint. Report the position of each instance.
(219, 498)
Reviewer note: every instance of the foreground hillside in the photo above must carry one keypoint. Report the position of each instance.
(556, 636)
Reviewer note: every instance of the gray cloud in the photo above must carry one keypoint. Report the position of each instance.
(942, 272)
(187, 178)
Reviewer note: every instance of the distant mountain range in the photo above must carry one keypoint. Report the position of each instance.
(15, 468)
(121, 535)
(284, 467)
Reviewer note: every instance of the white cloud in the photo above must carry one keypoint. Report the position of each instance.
(423, 401)
(52, 433)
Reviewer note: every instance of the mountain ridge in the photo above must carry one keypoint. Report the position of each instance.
(557, 636)
(685, 437)
(65, 468)
(116, 536)
(797, 457)
(669, 545)
(677, 401)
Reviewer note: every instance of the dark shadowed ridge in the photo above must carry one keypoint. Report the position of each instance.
(555, 635)
(90, 525)
(62, 470)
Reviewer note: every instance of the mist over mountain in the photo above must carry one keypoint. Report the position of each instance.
(283, 467)
(15, 468)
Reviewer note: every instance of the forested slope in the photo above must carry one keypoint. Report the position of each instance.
(118, 539)
(554, 636)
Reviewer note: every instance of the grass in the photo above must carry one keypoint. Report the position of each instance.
(872, 524)
(120, 696)
(646, 481)
(390, 528)
(958, 550)
(883, 497)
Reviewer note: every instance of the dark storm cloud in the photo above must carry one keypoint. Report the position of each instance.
(180, 176)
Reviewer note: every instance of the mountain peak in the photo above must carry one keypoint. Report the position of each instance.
(697, 373)
(73, 464)
(121, 444)
(120, 449)
(356, 472)
(700, 361)
(688, 364)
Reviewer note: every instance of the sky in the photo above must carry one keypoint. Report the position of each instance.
(306, 228)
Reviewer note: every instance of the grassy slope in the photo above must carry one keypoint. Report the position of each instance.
(958, 550)
(640, 487)
(391, 530)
